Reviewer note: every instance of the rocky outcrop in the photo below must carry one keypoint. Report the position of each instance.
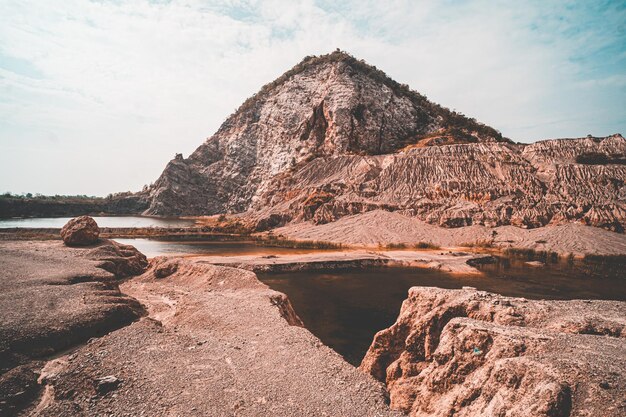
(336, 137)
(489, 184)
(80, 231)
(468, 353)
(53, 297)
(216, 342)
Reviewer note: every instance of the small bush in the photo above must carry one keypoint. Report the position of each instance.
(481, 243)
(426, 245)
(396, 246)
(532, 254)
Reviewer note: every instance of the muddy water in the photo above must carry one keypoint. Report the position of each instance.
(346, 308)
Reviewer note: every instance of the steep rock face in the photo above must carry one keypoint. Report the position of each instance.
(326, 106)
(468, 353)
(334, 137)
(490, 184)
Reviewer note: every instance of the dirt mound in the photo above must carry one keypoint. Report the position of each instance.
(380, 227)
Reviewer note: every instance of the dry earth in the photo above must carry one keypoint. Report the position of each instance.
(382, 227)
(53, 297)
(216, 342)
(191, 338)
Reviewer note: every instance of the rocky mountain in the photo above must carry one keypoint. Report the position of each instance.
(334, 136)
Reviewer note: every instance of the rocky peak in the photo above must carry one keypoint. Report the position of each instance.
(335, 104)
(335, 136)
(325, 106)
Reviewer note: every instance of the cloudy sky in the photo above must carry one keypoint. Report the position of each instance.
(97, 96)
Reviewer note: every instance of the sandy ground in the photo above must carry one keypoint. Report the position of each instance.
(381, 227)
(216, 342)
(53, 298)
(453, 262)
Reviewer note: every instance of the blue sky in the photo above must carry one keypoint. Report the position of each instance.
(97, 96)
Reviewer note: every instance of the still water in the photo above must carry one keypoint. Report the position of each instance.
(346, 308)
(103, 221)
(152, 248)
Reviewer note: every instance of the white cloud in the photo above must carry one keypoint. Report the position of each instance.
(122, 86)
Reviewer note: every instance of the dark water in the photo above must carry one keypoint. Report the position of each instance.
(103, 221)
(346, 308)
(151, 248)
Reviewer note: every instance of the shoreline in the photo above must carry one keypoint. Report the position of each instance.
(185, 316)
(453, 262)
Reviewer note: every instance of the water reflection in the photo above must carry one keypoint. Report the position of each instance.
(103, 221)
(346, 308)
(151, 248)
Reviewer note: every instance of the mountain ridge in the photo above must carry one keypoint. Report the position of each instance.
(334, 136)
(375, 73)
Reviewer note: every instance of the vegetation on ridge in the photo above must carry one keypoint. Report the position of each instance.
(457, 123)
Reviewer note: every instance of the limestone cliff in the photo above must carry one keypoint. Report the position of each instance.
(334, 136)
(472, 353)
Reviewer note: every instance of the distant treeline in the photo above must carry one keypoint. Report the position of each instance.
(37, 205)
(9, 195)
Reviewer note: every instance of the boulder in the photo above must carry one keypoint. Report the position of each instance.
(80, 231)
(469, 353)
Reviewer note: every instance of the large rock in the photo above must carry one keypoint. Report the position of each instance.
(326, 106)
(80, 231)
(53, 297)
(470, 353)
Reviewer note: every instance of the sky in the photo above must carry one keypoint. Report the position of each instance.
(97, 96)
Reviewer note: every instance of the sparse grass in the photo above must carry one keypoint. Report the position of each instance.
(225, 224)
(481, 243)
(279, 241)
(605, 259)
(532, 254)
(604, 266)
(402, 245)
